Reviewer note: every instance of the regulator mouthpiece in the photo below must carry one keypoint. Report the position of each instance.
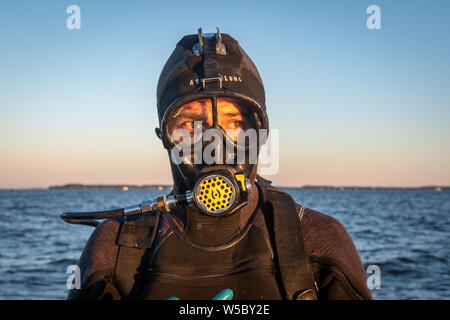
(215, 194)
(218, 194)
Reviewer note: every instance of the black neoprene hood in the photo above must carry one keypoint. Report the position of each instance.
(183, 71)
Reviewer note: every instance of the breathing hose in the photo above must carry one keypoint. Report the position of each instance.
(160, 204)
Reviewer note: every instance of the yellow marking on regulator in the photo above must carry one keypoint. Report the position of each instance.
(240, 178)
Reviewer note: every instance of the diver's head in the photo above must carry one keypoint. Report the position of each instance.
(211, 107)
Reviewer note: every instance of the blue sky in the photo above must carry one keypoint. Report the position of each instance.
(354, 106)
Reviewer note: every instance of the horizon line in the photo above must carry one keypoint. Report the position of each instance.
(165, 186)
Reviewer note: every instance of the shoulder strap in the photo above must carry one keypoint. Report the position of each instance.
(293, 262)
(135, 237)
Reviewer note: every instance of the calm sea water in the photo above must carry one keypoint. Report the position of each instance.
(404, 232)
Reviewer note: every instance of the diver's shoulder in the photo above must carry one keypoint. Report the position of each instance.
(100, 251)
(317, 221)
(106, 231)
(332, 250)
(323, 234)
(102, 242)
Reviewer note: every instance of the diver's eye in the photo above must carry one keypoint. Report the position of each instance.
(188, 125)
(235, 124)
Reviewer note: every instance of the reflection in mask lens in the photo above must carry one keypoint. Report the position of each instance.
(187, 124)
(233, 117)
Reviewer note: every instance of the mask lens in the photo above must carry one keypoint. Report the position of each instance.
(187, 123)
(238, 117)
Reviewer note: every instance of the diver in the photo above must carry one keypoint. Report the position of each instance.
(222, 226)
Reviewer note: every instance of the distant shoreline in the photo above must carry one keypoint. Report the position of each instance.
(164, 186)
(125, 187)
